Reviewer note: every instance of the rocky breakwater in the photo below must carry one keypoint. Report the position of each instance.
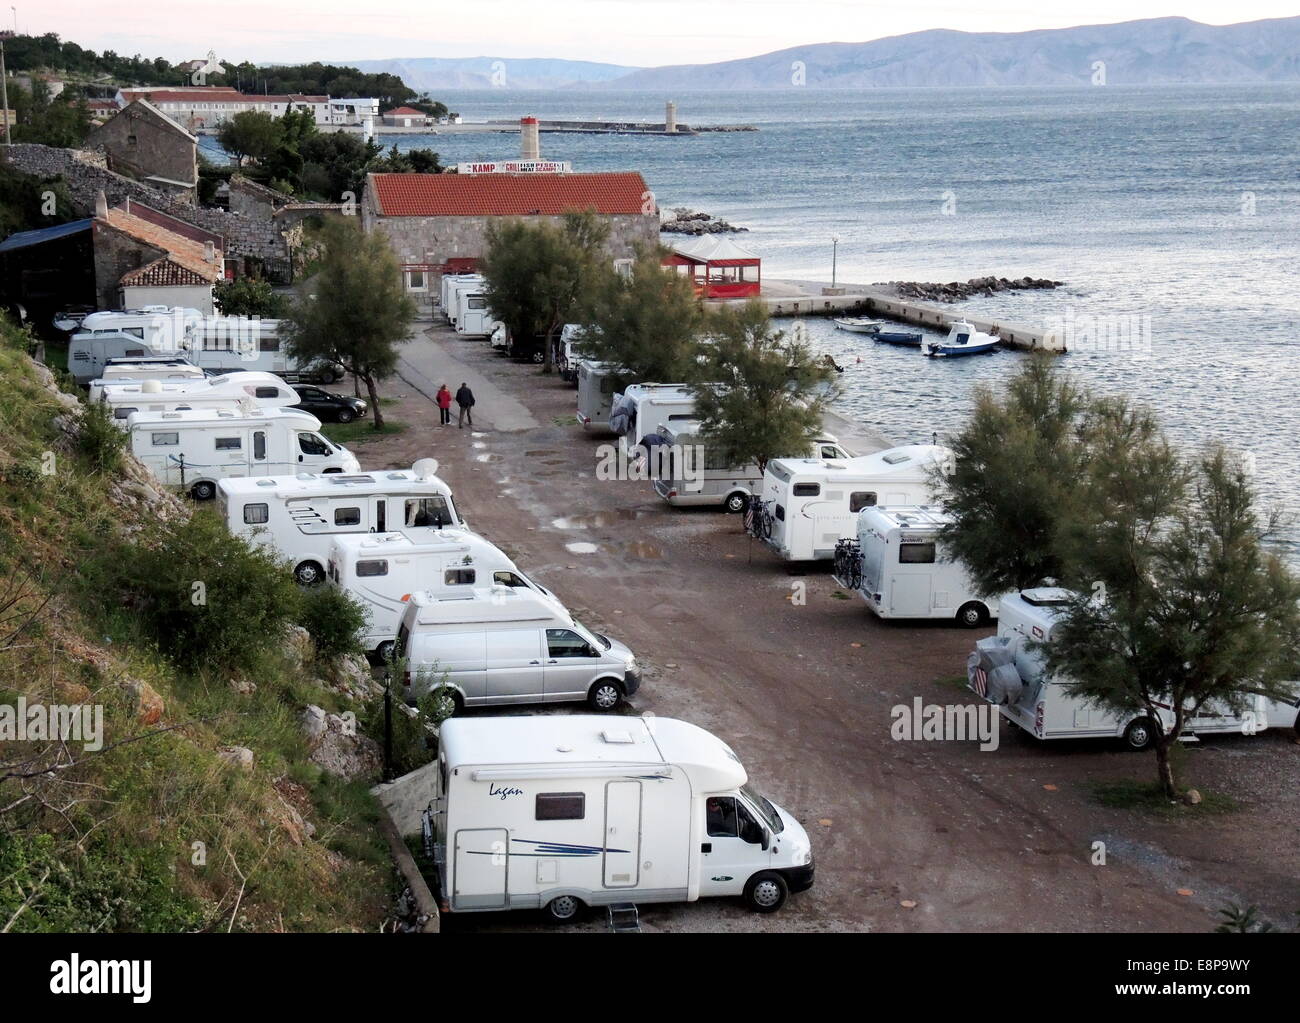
(688, 221)
(958, 291)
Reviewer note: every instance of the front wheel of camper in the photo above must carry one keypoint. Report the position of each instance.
(736, 503)
(972, 614)
(605, 695)
(203, 490)
(1139, 734)
(562, 909)
(766, 893)
(308, 574)
(384, 652)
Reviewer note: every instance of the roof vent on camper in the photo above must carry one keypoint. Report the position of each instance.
(425, 468)
(266, 483)
(151, 387)
(897, 458)
(1046, 596)
(563, 749)
(616, 737)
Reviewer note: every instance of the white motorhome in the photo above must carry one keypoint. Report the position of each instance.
(653, 406)
(476, 319)
(298, 517)
(1047, 710)
(597, 382)
(555, 813)
(898, 566)
(689, 476)
(809, 504)
(223, 343)
(457, 292)
(382, 570)
(137, 371)
(504, 644)
(229, 391)
(196, 449)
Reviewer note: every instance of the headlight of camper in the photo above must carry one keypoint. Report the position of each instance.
(632, 667)
(803, 859)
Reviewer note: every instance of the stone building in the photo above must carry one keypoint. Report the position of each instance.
(438, 223)
(142, 142)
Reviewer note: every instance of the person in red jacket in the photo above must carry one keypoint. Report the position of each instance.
(443, 399)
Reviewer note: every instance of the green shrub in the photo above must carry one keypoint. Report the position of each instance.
(100, 440)
(334, 618)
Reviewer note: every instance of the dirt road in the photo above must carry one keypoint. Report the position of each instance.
(998, 840)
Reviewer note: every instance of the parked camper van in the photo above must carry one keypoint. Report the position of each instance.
(898, 566)
(597, 382)
(137, 371)
(1046, 710)
(511, 645)
(684, 483)
(567, 362)
(652, 406)
(196, 449)
(475, 318)
(558, 812)
(809, 504)
(457, 293)
(223, 343)
(230, 391)
(382, 570)
(298, 517)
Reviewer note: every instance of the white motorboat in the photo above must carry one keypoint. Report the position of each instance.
(962, 339)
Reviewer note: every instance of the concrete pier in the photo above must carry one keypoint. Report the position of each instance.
(802, 298)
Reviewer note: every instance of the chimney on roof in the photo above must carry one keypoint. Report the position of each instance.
(101, 205)
(209, 252)
(530, 147)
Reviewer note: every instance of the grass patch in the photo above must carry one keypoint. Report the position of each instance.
(1148, 797)
(954, 682)
(360, 431)
(564, 421)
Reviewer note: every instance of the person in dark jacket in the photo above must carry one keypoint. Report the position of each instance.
(465, 399)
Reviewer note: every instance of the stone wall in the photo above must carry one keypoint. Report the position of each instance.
(246, 238)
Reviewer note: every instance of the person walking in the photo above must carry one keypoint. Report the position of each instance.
(443, 398)
(465, 399)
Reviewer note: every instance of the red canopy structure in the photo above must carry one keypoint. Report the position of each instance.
(718, 267)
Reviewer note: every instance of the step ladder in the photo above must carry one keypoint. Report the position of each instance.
(624, 918)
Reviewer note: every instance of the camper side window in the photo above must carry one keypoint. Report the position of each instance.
(807, 489)
(347, 516)
(229, 443)
(255, 514)
(566, 643)
(166, 440)
(121, 412)
(560, 806)
(507, 579)
(720, 816)
(310, 444)
(459, 577)
(427, 511)
(266, 392)
(368, 568)
(860, 500)
(916, 553)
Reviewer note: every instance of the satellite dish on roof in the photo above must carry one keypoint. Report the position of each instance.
(151, 387)
(425, 468)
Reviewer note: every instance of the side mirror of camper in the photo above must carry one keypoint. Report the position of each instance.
(754, 833)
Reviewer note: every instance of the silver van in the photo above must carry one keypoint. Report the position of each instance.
(510, 645)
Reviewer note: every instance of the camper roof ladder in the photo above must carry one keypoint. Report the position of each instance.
(624, 918)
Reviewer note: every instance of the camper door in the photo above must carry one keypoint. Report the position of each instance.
(732, 847)
(482, 868)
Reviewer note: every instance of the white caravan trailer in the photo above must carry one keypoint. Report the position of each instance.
(683, 482)
(126, 334)
(809, 504)
(555, 813)
(1046, 710)
(476, 319)
(229, 391)
(656, 405)
(504, 644)
(898, 566)
(457, 292)
(298, 517)
(382, 570)
(447, 289)
(597, 382)
(196, 449)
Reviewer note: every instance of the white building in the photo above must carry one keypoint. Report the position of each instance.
(210, 106)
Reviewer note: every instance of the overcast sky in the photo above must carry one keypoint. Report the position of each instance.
(637, 32)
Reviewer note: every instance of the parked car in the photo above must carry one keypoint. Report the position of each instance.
(328, 406)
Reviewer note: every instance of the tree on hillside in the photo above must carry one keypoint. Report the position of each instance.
(538, 275)
(1187, 607)
(356, 311)
(1016, 471)
(647, 323)
(61, 121)
(760, 394)
(250, 134)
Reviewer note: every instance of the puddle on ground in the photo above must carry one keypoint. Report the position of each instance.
(595, 520)
(537, 454)
(487, 458)
(480, 444)
(643, 549)
(475, 433)
(554, 461)
(581, 548)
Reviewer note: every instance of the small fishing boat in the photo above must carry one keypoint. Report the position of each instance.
(899, 337)
(858, 324)
(962, 339)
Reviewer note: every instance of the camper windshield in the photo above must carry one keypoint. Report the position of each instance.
(764, 807)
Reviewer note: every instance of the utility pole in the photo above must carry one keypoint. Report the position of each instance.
(4, 92)
(835, 252)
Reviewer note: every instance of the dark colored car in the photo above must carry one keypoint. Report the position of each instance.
(327, 406)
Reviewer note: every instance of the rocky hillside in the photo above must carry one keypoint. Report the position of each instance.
(177, 752)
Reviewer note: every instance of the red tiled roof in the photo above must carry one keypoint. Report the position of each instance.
(405, 112)
(184, 252)
(507, 195)
(222, 94)
(162, 273)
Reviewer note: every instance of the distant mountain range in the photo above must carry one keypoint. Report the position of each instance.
(1154, 51)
